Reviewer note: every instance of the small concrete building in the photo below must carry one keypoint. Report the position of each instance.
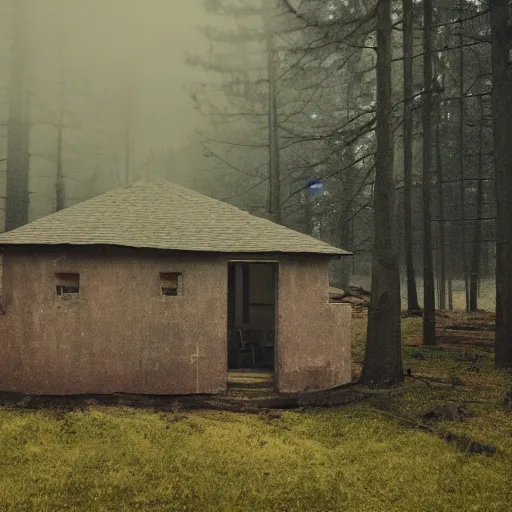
(156, 289)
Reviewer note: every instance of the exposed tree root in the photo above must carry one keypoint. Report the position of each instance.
(463, 443)
(342, 395)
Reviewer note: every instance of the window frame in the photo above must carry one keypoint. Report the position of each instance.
(69, 281)
(166, 283)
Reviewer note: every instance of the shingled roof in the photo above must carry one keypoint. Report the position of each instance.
(163, 215)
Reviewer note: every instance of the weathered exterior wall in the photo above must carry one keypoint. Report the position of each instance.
(313, 347)
(121, 335)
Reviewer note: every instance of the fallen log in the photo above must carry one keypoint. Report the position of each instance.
(469, 327)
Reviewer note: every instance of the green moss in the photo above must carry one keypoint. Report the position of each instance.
(341, 459)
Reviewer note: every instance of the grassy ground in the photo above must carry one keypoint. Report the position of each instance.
(363, 457)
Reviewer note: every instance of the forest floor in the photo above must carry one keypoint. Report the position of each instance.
(441, 441)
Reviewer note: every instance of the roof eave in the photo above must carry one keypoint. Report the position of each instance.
(334, 253)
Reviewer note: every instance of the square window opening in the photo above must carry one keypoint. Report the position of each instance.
(68, 285)
(171, 284)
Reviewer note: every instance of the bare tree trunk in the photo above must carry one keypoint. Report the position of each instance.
(352, 243)
(127, 122)
(502, 128)
(128, 139)
(308, 214)
(429, 298)
(450, 288)
(348, 187)
(477, 233)
(128, 155)
(60, 187)
(450, 237)
(442, 235)
(273, 130)
(462, 122)
(18, 125)
(412, 293)
(383, 358)
(345, 243)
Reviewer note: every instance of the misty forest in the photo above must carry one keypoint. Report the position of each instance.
(380, 127)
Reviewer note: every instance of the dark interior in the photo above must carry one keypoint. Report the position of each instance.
(251, 315)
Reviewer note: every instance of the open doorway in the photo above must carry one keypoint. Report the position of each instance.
(252, 315)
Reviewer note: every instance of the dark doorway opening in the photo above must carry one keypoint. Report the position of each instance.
(252, 315)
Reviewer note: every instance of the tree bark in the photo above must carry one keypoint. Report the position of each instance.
(345, 243)
(18, 125)
(60, 188)
(442, 234)
(429, 319)
(348, 190)
(273, 130)
(477, 232)
(502, 128)
(450, 288)
(462, 184)
(308, 214)
(412, 293)
(128, 138)
(383, 358)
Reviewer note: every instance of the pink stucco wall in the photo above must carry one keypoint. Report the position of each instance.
(121, 335)
(313, 334)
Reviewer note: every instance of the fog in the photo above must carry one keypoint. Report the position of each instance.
(267, 107)
(96, 66)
